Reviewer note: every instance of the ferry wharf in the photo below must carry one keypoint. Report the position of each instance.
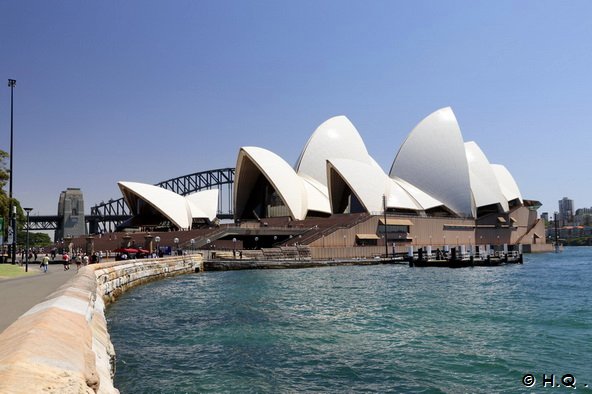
(454, 260)
(230, 265)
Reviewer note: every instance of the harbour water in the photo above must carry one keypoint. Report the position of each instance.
(507, 329)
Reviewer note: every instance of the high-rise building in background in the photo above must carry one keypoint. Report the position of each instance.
(566, 211)
(545, 216)
(583, 217)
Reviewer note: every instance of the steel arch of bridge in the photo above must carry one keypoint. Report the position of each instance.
(106, 216)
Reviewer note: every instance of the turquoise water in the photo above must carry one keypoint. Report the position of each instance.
(360, 329)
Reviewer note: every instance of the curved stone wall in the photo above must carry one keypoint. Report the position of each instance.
(62, 344)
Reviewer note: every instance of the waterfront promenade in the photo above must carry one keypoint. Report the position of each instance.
(60, 344)
(18, 295)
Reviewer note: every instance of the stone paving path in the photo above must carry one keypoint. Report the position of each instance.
(20, 294)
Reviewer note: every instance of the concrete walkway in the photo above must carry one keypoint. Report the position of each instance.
(20, 294)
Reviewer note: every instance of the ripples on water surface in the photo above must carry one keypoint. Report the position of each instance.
(359, 329)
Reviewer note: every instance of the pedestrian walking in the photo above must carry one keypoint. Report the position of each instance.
(78, 262)
(45, 262)
(66, 259)
(85, 260)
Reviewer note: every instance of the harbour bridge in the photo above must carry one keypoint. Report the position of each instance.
(106, 216)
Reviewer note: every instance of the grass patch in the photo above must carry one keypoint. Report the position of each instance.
(12, 271)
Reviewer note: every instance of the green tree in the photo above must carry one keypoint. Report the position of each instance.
(4, 176)
(5, 201)
(36, 240)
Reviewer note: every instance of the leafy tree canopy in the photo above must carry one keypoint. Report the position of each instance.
(5, 201)
(36, 240)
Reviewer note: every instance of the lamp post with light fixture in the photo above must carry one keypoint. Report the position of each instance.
(28, 210)
(11, 211)
(157, 240)
(385, 227)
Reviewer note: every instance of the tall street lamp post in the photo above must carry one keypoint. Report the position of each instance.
(28, 210)
(12, 219)
(157, 240)
(385, 227)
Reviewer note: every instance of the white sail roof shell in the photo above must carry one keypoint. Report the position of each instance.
(170, 204)
(398, 198)
(370, 183)
(433, 159)
(317, 195)
(289, 186)
(204, 204)
(507, 184)
(484, 183)
(367, 182)
(423, 199)
(336, 138)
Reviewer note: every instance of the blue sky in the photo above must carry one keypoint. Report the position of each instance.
(149, 90)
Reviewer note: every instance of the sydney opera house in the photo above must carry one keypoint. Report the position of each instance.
(338, 201)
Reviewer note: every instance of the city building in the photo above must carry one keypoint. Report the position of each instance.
(545, 217)
(566, 211)
(583, 217)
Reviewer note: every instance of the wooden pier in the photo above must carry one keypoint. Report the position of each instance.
(452, 260)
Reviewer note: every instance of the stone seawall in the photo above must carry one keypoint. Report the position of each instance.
(62, 345)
